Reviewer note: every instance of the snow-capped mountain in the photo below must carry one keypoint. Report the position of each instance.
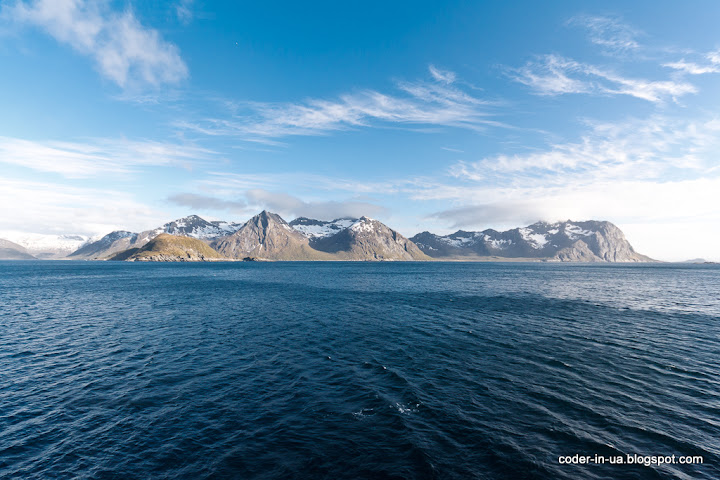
(268, 236)
(49, 247)
(590, 241)
(366, 239)
(319, 228)
(192, 226)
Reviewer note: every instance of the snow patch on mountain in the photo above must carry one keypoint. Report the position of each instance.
(459, 241)
(499, 243)
(321, 229)
(536, 240)
(574, 232)
(364, 224)
(195, 226)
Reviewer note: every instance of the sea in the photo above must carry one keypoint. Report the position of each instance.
(359, 370)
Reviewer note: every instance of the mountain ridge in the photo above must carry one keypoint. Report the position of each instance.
(584, 241)
(267, 236)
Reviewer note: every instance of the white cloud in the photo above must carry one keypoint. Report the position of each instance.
(440, 75)
(227, 184)
(610, 33)
(416, 103)
(640, 173)
(99, 156)
(692, 68)
(555, 75)
(125, 51)
(690, 205)
(653, 148)
(54, 208)
(184, 12)
(700, 67)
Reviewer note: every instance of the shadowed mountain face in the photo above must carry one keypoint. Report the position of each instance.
(13, 251)
(268, 236)
(170, 248)
(591, 241)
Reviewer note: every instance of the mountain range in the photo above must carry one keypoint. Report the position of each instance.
(590, 241)
(267, 236)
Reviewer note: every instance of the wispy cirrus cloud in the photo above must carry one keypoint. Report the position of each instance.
(125, 51)
(444, 76)
(610, 33)
(659, 177)
(420, 103)
(707, 63)
(98, 156)
(228, 183)
(555, 75)
(184, 12)
(649, 149)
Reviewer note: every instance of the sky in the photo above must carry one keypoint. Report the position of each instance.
(425, 115)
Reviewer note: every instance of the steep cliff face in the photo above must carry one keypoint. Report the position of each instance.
(601, 241)
(368, 239)
(170, 248)
(610, 245)
(267, 236)
(578, 252)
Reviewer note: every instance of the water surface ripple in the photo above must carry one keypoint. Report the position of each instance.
(356, 370)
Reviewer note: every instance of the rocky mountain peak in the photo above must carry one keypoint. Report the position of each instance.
(266, 235)
(368, 239)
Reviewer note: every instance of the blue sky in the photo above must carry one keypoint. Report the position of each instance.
(426, 115)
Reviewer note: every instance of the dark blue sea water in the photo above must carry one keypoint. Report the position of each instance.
(356, 370)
